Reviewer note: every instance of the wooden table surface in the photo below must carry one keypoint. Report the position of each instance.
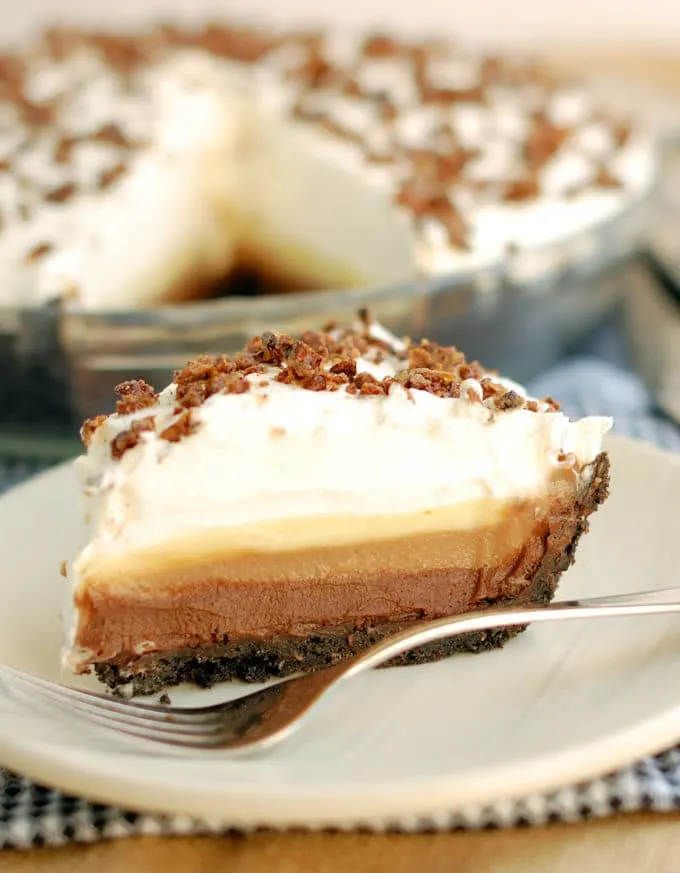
(625, 844)
(634, 844)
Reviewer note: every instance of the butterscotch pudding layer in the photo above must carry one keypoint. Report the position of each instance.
(282, 509)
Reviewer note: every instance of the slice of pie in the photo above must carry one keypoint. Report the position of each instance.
(285, 508)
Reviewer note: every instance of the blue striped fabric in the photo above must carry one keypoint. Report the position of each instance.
(591, 386)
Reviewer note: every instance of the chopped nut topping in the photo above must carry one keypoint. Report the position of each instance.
(380, 46)
(315, 382)
(425, 202)
(108, 177)
(111, 134)
(319, 341)
(39, 252)
(135, 395)
(322, 361)
(440, 168)
(448, 96)
(238, 43)
(303, 360)
(543, 141)
(344, 367)
(522, 189)
(431, 356)
(61, 41)
(61, 194)
(438, 382)
(622, 133)
(510, 400)
(316, 71)
(89, 427)
(35, 114)
(131, 437)
(368, 384)
(64, 149)
(209, 375)
(122, 53)
(184, 426)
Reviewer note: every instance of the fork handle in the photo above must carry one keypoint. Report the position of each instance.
(641, 603)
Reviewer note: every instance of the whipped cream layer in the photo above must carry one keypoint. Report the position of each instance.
(138, 171)
(282, 452)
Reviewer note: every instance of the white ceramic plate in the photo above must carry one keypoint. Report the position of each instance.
(561, 703)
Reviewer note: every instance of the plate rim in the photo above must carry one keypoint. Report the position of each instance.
(376, 805)
(417, 801)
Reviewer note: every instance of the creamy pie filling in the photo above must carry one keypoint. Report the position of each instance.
(309, 482)
(196, 590)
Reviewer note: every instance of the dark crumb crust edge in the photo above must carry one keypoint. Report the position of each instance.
(256, 660)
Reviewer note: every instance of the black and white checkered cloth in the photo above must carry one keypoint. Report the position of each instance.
(598, 382)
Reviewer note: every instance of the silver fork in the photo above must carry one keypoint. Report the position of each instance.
(264, 717)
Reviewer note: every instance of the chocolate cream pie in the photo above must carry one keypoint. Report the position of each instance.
(284, 508)
(156, 167)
